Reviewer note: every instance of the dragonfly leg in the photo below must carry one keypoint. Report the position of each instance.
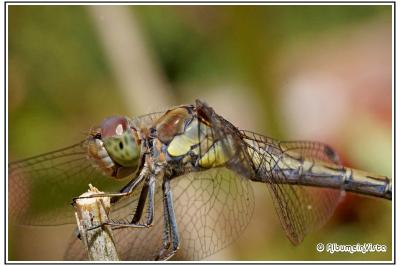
(147, 193)
(150, 209)
(170, 233)
(114, 225)
(134, 223)
(126, 191)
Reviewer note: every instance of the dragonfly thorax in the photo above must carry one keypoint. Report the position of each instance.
(188, 142)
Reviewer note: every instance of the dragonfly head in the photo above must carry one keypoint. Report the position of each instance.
(121, 141)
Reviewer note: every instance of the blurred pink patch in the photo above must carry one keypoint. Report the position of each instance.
(337, 80)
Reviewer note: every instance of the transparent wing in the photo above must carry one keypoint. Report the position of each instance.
(41, 188)
(147, 120)
(307, 149)
(212, 208)
(301, 209)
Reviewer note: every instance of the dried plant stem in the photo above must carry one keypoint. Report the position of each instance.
(90, 213)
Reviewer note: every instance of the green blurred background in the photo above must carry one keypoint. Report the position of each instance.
(290, 72)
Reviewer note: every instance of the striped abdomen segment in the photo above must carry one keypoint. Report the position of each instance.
(290, 169)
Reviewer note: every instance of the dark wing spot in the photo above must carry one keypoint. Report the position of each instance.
(331, 154)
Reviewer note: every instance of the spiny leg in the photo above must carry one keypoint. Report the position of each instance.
(141, 203)
(170, 233)
(147, 193)
(126, 191)
(150, 208)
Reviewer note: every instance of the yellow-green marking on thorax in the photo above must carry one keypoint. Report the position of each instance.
(199, 139)
(194, 133)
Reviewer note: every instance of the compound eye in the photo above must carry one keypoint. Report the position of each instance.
(114, 126)
(120, 142)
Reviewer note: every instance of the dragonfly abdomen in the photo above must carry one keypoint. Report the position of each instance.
(370, 184)
(292, 170)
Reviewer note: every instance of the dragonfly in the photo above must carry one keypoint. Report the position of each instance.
(180, 183)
